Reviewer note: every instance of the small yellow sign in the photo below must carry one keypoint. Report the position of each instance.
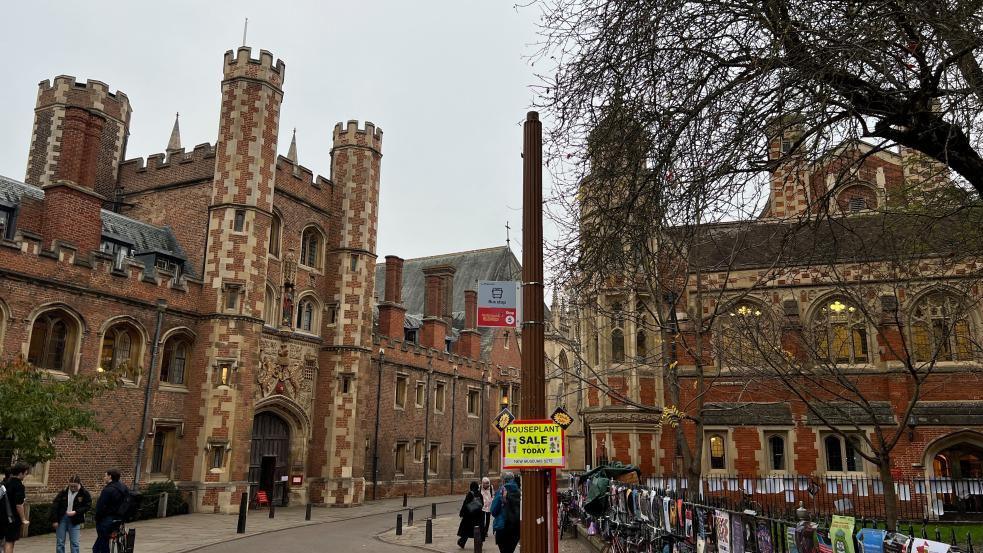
(533, 444)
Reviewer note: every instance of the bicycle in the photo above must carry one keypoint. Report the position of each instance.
(568, 513)
(118, 540)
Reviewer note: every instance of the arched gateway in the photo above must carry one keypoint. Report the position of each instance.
(269, 455)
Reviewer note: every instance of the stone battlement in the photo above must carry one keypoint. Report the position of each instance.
(92, 94)
(161, 169)
(350, 134)
(241, 64)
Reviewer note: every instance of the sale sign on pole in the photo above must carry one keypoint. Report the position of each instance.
(533, 444)
(498, 304)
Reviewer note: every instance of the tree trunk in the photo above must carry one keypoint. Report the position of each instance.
(890, 495)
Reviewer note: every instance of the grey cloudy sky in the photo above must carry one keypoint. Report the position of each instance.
(446, 81)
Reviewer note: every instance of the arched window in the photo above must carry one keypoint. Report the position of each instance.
(271, 307)
(617, 333)
(307, 315)
(310, 248)
(564, 365)
(718, 452)
(745, 334)
(275, 224)
(176, 351)
(841, 455)
(641, 341)
(120, 351)
(776, 452)
(940, 329)
(54, 337)
(841, 332)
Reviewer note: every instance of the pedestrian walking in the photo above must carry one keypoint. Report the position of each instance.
(68, 513)
(471, 515)
(109, 509)
(12, 506)
(506, 508)
(487, 495)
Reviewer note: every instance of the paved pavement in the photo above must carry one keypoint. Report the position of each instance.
(198, 531)
(445, 538)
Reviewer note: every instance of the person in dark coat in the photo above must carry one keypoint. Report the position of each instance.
(108, 507)
(471, 515)
(68, 513)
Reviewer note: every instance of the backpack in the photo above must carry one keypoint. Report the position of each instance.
(513, 508)
(129, 506)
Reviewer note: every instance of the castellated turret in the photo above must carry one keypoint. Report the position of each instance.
(94, 161)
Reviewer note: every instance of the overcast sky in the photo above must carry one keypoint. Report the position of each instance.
(447, 81)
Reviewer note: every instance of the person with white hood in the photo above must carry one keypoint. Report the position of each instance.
(487, 495)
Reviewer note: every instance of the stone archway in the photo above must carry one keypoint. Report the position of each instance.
(954, 463)
(269, 455)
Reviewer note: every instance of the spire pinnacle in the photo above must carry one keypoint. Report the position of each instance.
(292, 152)
(174, 144)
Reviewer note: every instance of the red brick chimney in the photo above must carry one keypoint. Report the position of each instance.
(71, 205)
(469, 344)
(392, 314)
(436, 327)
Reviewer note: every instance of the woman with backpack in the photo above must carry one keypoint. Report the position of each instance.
(506, 508)
(470, 514)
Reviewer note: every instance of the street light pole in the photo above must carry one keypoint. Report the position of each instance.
(532, 403)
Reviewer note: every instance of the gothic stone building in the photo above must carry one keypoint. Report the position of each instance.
(227, 283)
(831, 288)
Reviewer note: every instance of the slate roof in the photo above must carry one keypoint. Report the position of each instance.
(747, 414)
(948, 413)
(497, 263)
(873, 237)
(142, 237)
(846, 413)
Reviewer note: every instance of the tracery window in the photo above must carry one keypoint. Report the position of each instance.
(307, 315)
(175, 359)
(310, 248)
(617, 334)
(940, 329)
(840, 328)
(120, 350)
(54, 337)
(745, 334)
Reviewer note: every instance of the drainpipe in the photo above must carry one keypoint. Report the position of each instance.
(375, 438)
(426, 433)
(148, 392)
(453, 425)
(483, 427)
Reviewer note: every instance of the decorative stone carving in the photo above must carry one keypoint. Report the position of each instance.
(282, 372)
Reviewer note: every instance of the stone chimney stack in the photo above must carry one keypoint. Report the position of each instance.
(436, 326)
(469, 345)
(392, 313)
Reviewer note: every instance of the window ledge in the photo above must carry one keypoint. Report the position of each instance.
(55, 374)
(177, 388)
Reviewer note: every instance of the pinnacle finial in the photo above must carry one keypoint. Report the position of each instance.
(292, 152)
(174, 144)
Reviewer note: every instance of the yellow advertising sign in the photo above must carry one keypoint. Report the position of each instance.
(533, 444)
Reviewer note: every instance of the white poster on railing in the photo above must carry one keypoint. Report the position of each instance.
(721, 523)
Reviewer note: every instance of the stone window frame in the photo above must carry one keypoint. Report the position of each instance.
(271, 307)
(730, 452)
(275, 244)
(464, 457)
(440, 386)
(420, 394)
(787, 434)
(734, 308)
(308, 296)
(823, 460)
(176, 334)
(239, 220)
(963, 315)
(233, 292)
(319, 248)
(852, 324)
(397, 469)
(9, 217)
(477, 407)
(433, 458)
(4, 317)
(418, 442)
(405, 379)
(71, 354)
(176, 428)
(136, 349)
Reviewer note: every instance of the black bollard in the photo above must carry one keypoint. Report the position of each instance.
(399, 524)
(477, 539)
(272, 510)
(307, 515)
(241, 525)
(131, 540)
(404, 500)
(433, 510)
(429, 536)
(409, 518)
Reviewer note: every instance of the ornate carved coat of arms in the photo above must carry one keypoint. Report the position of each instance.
(280, 374)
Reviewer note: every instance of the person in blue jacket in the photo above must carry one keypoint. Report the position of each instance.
(506, 508)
